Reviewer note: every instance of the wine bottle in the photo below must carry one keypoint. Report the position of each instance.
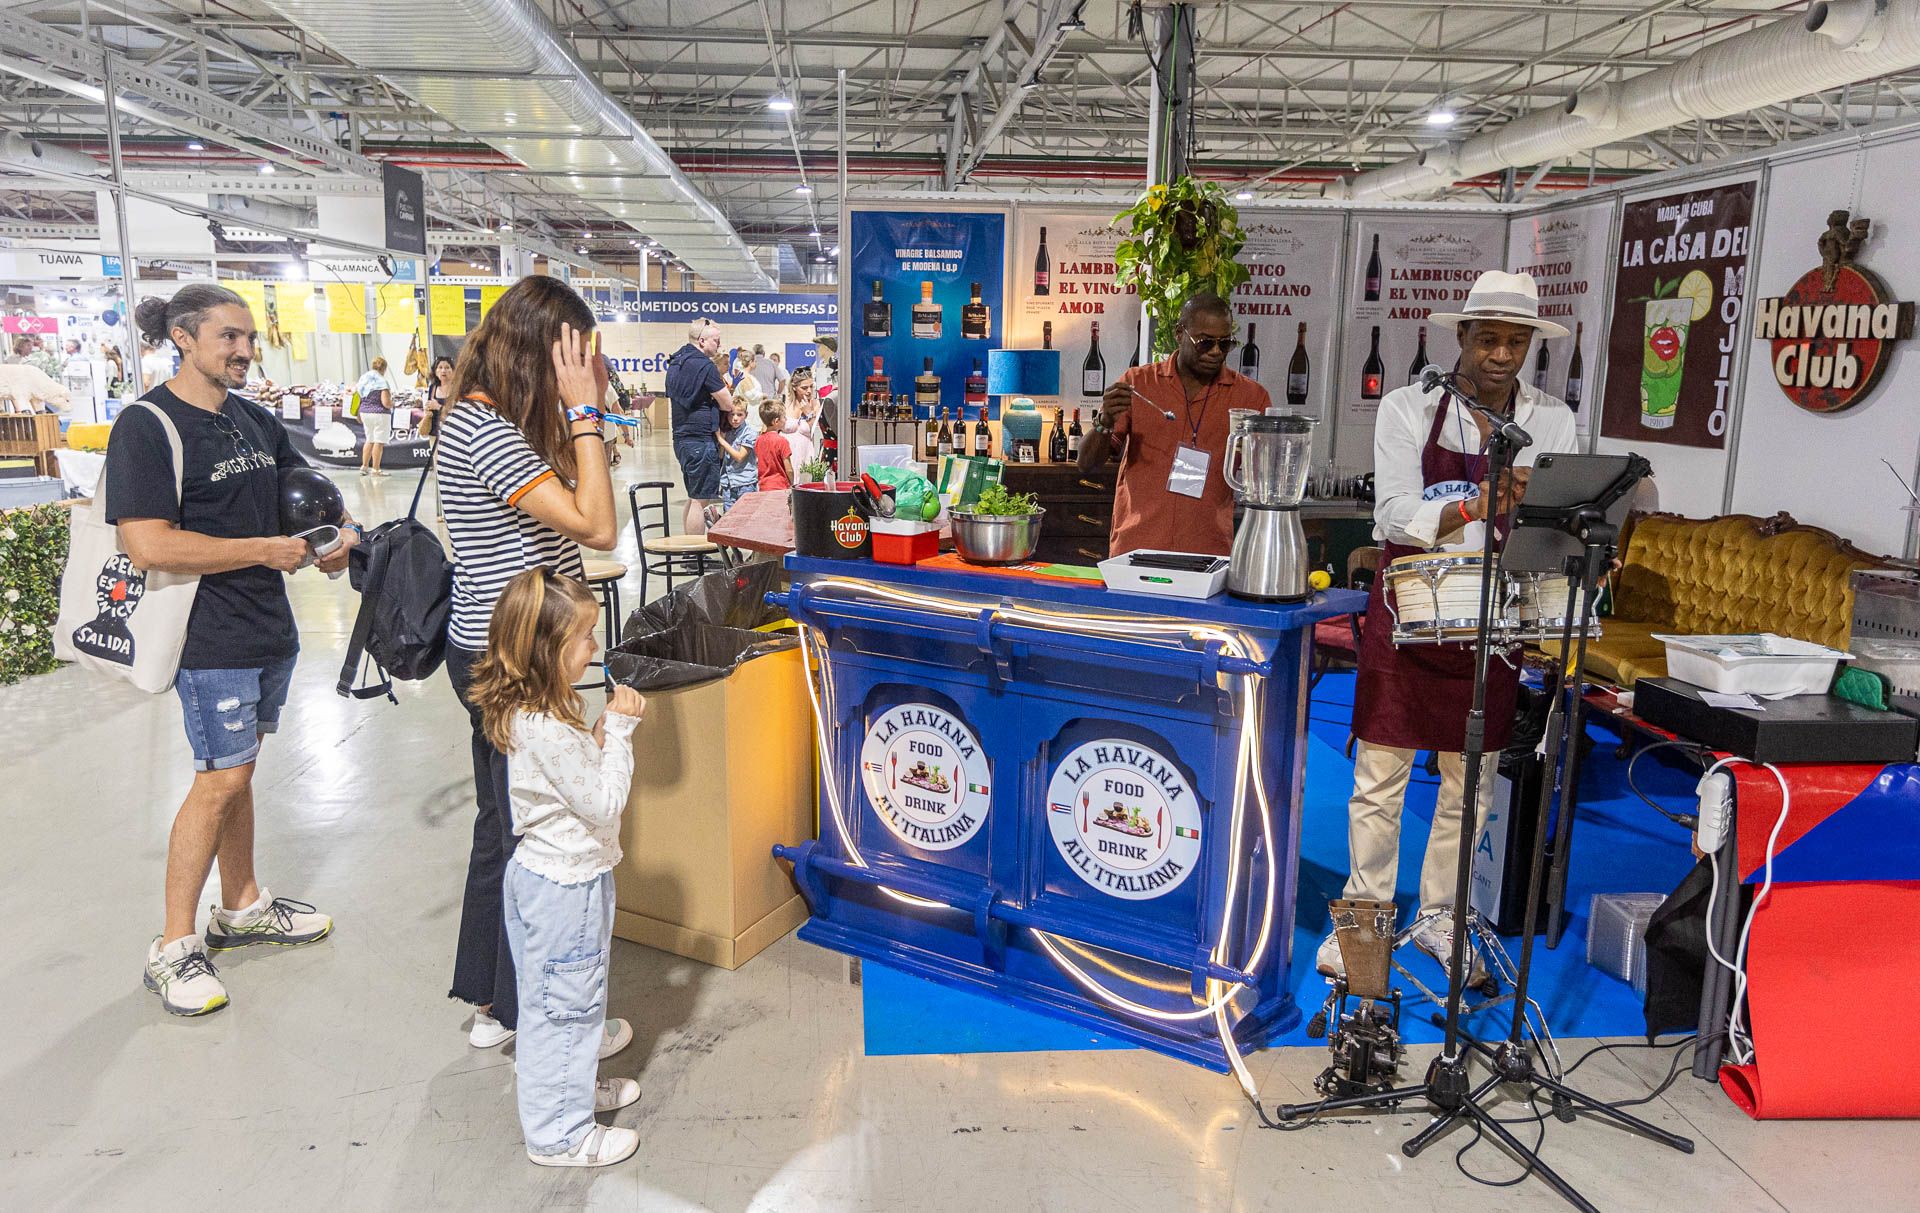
(877, 317)
(1074, 434)
(943, 440)
(930, 436)
(1373, 272)
(1297, 371)
(877, 385)
(982, 435)
(1250, 356)
(1046, 335)
(926, 315)
(1540, 364)
(1042, 267)
(1057, 444)
(975, 386)
(1575, 376)
(1093, 372)
(975, 318)
(926, 386)
(1374, 373)
(1419, 362)
(1134, 360)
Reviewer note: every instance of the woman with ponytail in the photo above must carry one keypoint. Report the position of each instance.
(523, 484)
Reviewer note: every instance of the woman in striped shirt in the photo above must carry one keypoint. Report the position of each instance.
(523, 483)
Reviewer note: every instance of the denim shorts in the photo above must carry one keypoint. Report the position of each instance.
(700, 466)
(226, 712)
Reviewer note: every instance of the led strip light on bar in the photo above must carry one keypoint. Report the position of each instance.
(1248, 758)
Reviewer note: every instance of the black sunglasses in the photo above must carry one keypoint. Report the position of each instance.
(227, 426)
(1225, 345)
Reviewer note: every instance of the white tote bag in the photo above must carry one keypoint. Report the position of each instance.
(121, 620)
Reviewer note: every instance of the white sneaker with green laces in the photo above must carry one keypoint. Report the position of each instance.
(183, 977)
(274, 920)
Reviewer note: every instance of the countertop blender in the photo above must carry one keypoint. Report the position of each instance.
(1268, 458)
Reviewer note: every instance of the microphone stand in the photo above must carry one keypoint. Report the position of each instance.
(1446, 1085)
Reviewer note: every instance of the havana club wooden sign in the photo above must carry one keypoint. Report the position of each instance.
(1832, 333)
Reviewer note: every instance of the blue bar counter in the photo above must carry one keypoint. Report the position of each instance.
(1080, 801)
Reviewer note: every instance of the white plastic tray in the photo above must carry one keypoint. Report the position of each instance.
(1757, 663)
(1120, 574)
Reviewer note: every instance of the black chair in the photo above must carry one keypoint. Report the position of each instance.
(662, 552)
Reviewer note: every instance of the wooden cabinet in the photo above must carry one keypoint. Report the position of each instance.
(1079, 506)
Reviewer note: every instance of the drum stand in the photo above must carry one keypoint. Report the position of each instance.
(1448, 1086)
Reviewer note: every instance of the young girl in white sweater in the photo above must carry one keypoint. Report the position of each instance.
(568, 785)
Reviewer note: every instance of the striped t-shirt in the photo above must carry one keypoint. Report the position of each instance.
(486, 466)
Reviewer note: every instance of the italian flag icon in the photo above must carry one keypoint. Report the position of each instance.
(1184, 832)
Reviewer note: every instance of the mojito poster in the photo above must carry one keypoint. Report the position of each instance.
(1679, 292)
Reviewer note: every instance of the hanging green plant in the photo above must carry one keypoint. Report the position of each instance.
(1181, 238)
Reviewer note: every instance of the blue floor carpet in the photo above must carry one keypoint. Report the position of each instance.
(1620, 845)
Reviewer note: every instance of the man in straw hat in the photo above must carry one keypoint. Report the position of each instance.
(1431, 494)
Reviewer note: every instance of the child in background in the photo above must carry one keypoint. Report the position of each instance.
(568, 786)
(802, 426)
(772, 453)
(740, 474)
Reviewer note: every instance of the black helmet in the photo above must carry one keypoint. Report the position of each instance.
(308, 500)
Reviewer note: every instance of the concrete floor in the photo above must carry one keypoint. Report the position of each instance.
(340, 1077)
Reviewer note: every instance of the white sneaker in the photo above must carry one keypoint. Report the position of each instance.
(613, 1094)
(488, 1032)
(1433, 934)
(603, 1146)
(183, 977)
(1327, 961)
(619, 1036)
(275, 920)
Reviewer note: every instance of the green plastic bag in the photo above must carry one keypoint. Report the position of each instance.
(913, 495)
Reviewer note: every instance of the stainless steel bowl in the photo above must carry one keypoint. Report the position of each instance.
(995, 538)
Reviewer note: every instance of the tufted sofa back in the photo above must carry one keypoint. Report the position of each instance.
(1739, 573)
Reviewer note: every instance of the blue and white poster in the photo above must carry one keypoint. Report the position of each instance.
(640, 330)
(927, 293)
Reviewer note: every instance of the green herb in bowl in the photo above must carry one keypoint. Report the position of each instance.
(996, 501)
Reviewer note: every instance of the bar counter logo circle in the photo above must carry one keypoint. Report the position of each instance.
(1124, 819)
(926, 776)
(1832, 333)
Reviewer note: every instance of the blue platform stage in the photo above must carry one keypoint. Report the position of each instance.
(1620, 846)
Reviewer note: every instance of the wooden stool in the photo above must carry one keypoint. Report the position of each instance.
(603, 578)
(662, 551)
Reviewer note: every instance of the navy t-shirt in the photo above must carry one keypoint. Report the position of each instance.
(241, 619)
(692, 379)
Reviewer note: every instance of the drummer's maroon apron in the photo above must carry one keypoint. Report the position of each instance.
(1416, 697)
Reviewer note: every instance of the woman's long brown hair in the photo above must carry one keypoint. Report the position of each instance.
(524, 667)
(509, 360)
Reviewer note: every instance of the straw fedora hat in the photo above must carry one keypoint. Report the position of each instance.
(1497, 295)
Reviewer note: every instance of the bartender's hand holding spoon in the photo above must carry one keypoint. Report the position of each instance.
(1116, 401)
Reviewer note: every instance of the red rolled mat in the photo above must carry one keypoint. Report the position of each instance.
(1833, 1002)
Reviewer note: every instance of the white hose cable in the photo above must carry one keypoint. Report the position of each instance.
(1738, 1039)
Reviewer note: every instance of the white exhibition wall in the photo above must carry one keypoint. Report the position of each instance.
(1825, 469)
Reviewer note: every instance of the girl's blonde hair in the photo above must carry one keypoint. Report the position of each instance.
(524, 668)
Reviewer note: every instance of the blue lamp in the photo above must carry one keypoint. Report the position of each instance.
(1022, 373)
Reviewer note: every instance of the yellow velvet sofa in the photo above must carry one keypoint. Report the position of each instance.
(1735, 573)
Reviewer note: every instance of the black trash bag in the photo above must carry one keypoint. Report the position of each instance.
(689, 654)
(1530, 710)
(729, 598)
(1677, 957)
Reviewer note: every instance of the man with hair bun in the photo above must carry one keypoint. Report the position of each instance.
(223, 524)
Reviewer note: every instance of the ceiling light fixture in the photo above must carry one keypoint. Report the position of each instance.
(1244, 196)
(803, 188)
(266, 170)
(506, 225)
(194, 145)
(1442, 114)
(779, 104)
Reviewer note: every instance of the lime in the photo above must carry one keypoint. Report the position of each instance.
(1699, 288)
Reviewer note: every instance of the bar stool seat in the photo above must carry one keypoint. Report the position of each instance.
(603, 578)
(680, 545)
(600, 569)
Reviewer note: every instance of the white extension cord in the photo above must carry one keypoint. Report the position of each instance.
(1714, 831)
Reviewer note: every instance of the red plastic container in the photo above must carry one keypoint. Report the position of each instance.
(897, 542)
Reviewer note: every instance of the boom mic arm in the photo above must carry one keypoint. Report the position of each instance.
(1433, 376)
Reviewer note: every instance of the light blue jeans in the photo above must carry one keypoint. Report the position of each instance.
(560, 934)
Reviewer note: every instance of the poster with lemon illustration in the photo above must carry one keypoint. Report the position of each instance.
(1679, 292)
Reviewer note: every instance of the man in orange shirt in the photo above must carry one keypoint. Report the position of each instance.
(1168, 420)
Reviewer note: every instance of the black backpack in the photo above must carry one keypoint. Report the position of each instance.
(406, 598)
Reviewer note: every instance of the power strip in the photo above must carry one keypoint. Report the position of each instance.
(1715, 790)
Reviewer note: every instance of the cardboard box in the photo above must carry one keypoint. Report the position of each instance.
(722, 771)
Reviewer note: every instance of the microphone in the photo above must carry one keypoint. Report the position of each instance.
(1433, 376)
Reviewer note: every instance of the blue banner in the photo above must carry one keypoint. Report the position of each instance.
(912, 282)
(687, 306)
